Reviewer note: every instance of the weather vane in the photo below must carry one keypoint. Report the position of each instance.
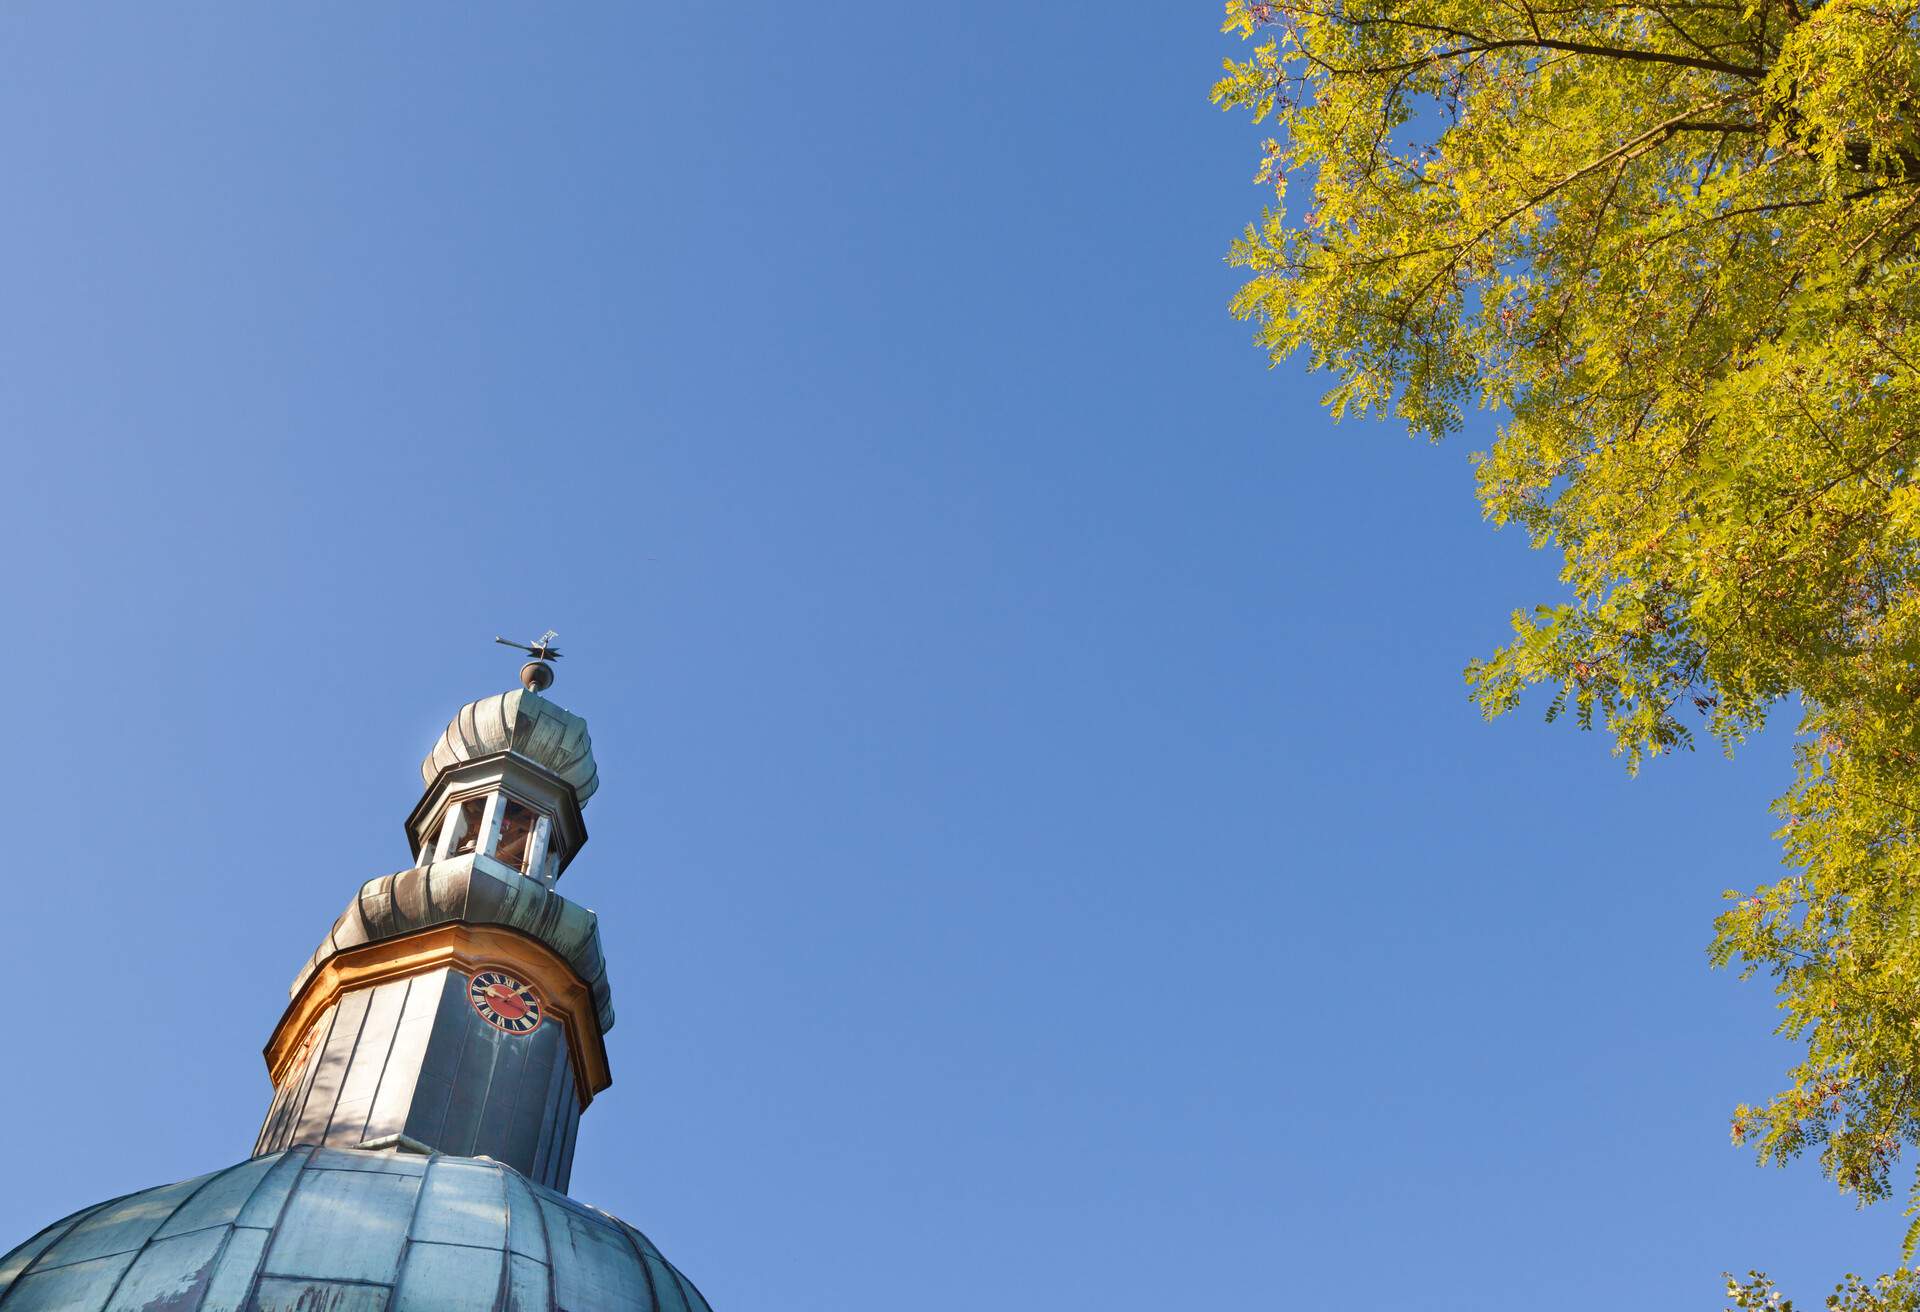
(536, 675)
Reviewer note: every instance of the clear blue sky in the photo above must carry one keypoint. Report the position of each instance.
(1046, 857)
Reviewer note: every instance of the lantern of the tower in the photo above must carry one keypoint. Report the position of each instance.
(507, 781)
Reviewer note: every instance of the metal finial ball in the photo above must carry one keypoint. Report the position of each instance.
(536, 676)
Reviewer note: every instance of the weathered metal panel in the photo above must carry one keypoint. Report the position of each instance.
(468, 1098)
(349, 931)
(341, 1242)
(545, 1061)
(452, 1012)
(526, 1233)
(233, 1274)
(281, 1131)
(509, 1098)
(411, 907)
(330, 1069)
(318, 1296)
(302, 1079)
(463, 1203)
(521, 1119)
(429, 1111)
(120, 1228)
(559, 1083)
(220, 1200)
(170, 1275)
(691, 1292)
(640, 1241)
(445, 1278)
(480, 1053)
(594, 1267)
(344, 1225)
(529, 1285)
(20, 1258)
(544, 1153)
(369, 1061)
(270, 1199)
(399, 1082)
(274, 1123)
(376, 904)
(276, 1113)
(65, 1288)
(340, 1159)
(566, 1116)
(564, 1172)
(668, 1295)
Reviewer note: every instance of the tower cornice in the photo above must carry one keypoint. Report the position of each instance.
(477, 890)
(469, 948)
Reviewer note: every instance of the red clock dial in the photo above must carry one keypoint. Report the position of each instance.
(505, 1003)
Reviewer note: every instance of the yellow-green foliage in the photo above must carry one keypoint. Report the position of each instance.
(1674, 246)
(1898, 1292)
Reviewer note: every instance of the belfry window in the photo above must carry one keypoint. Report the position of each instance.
(517, 823)
(466, 822)
(500, 826)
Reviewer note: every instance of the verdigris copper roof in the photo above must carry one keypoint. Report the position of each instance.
(463, 890)
(526, 724)
(345, 1231)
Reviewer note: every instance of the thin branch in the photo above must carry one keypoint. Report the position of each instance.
(1476, 41)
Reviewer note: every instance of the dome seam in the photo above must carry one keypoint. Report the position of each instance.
(172, 1212)
(67, 1228)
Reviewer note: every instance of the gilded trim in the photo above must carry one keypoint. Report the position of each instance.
(469, 948)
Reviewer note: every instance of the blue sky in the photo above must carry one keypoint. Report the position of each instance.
(1045, 854)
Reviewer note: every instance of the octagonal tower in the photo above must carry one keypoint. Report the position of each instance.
(461, 1006)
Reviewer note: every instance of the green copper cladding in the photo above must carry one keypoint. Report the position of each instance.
(335, 1229)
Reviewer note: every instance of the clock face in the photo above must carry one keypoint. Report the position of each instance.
(505, 1002)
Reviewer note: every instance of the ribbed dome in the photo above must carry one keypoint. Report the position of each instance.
(526, 724)
(347, 1231)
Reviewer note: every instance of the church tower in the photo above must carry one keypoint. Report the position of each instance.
(429, 1074)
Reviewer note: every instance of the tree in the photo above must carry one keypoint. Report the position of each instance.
(1677, 247)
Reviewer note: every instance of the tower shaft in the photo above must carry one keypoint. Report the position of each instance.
(460, 1005)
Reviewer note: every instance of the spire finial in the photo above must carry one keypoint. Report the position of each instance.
(536, 675)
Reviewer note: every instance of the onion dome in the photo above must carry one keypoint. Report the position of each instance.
(524, 724)
(348, 1231)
